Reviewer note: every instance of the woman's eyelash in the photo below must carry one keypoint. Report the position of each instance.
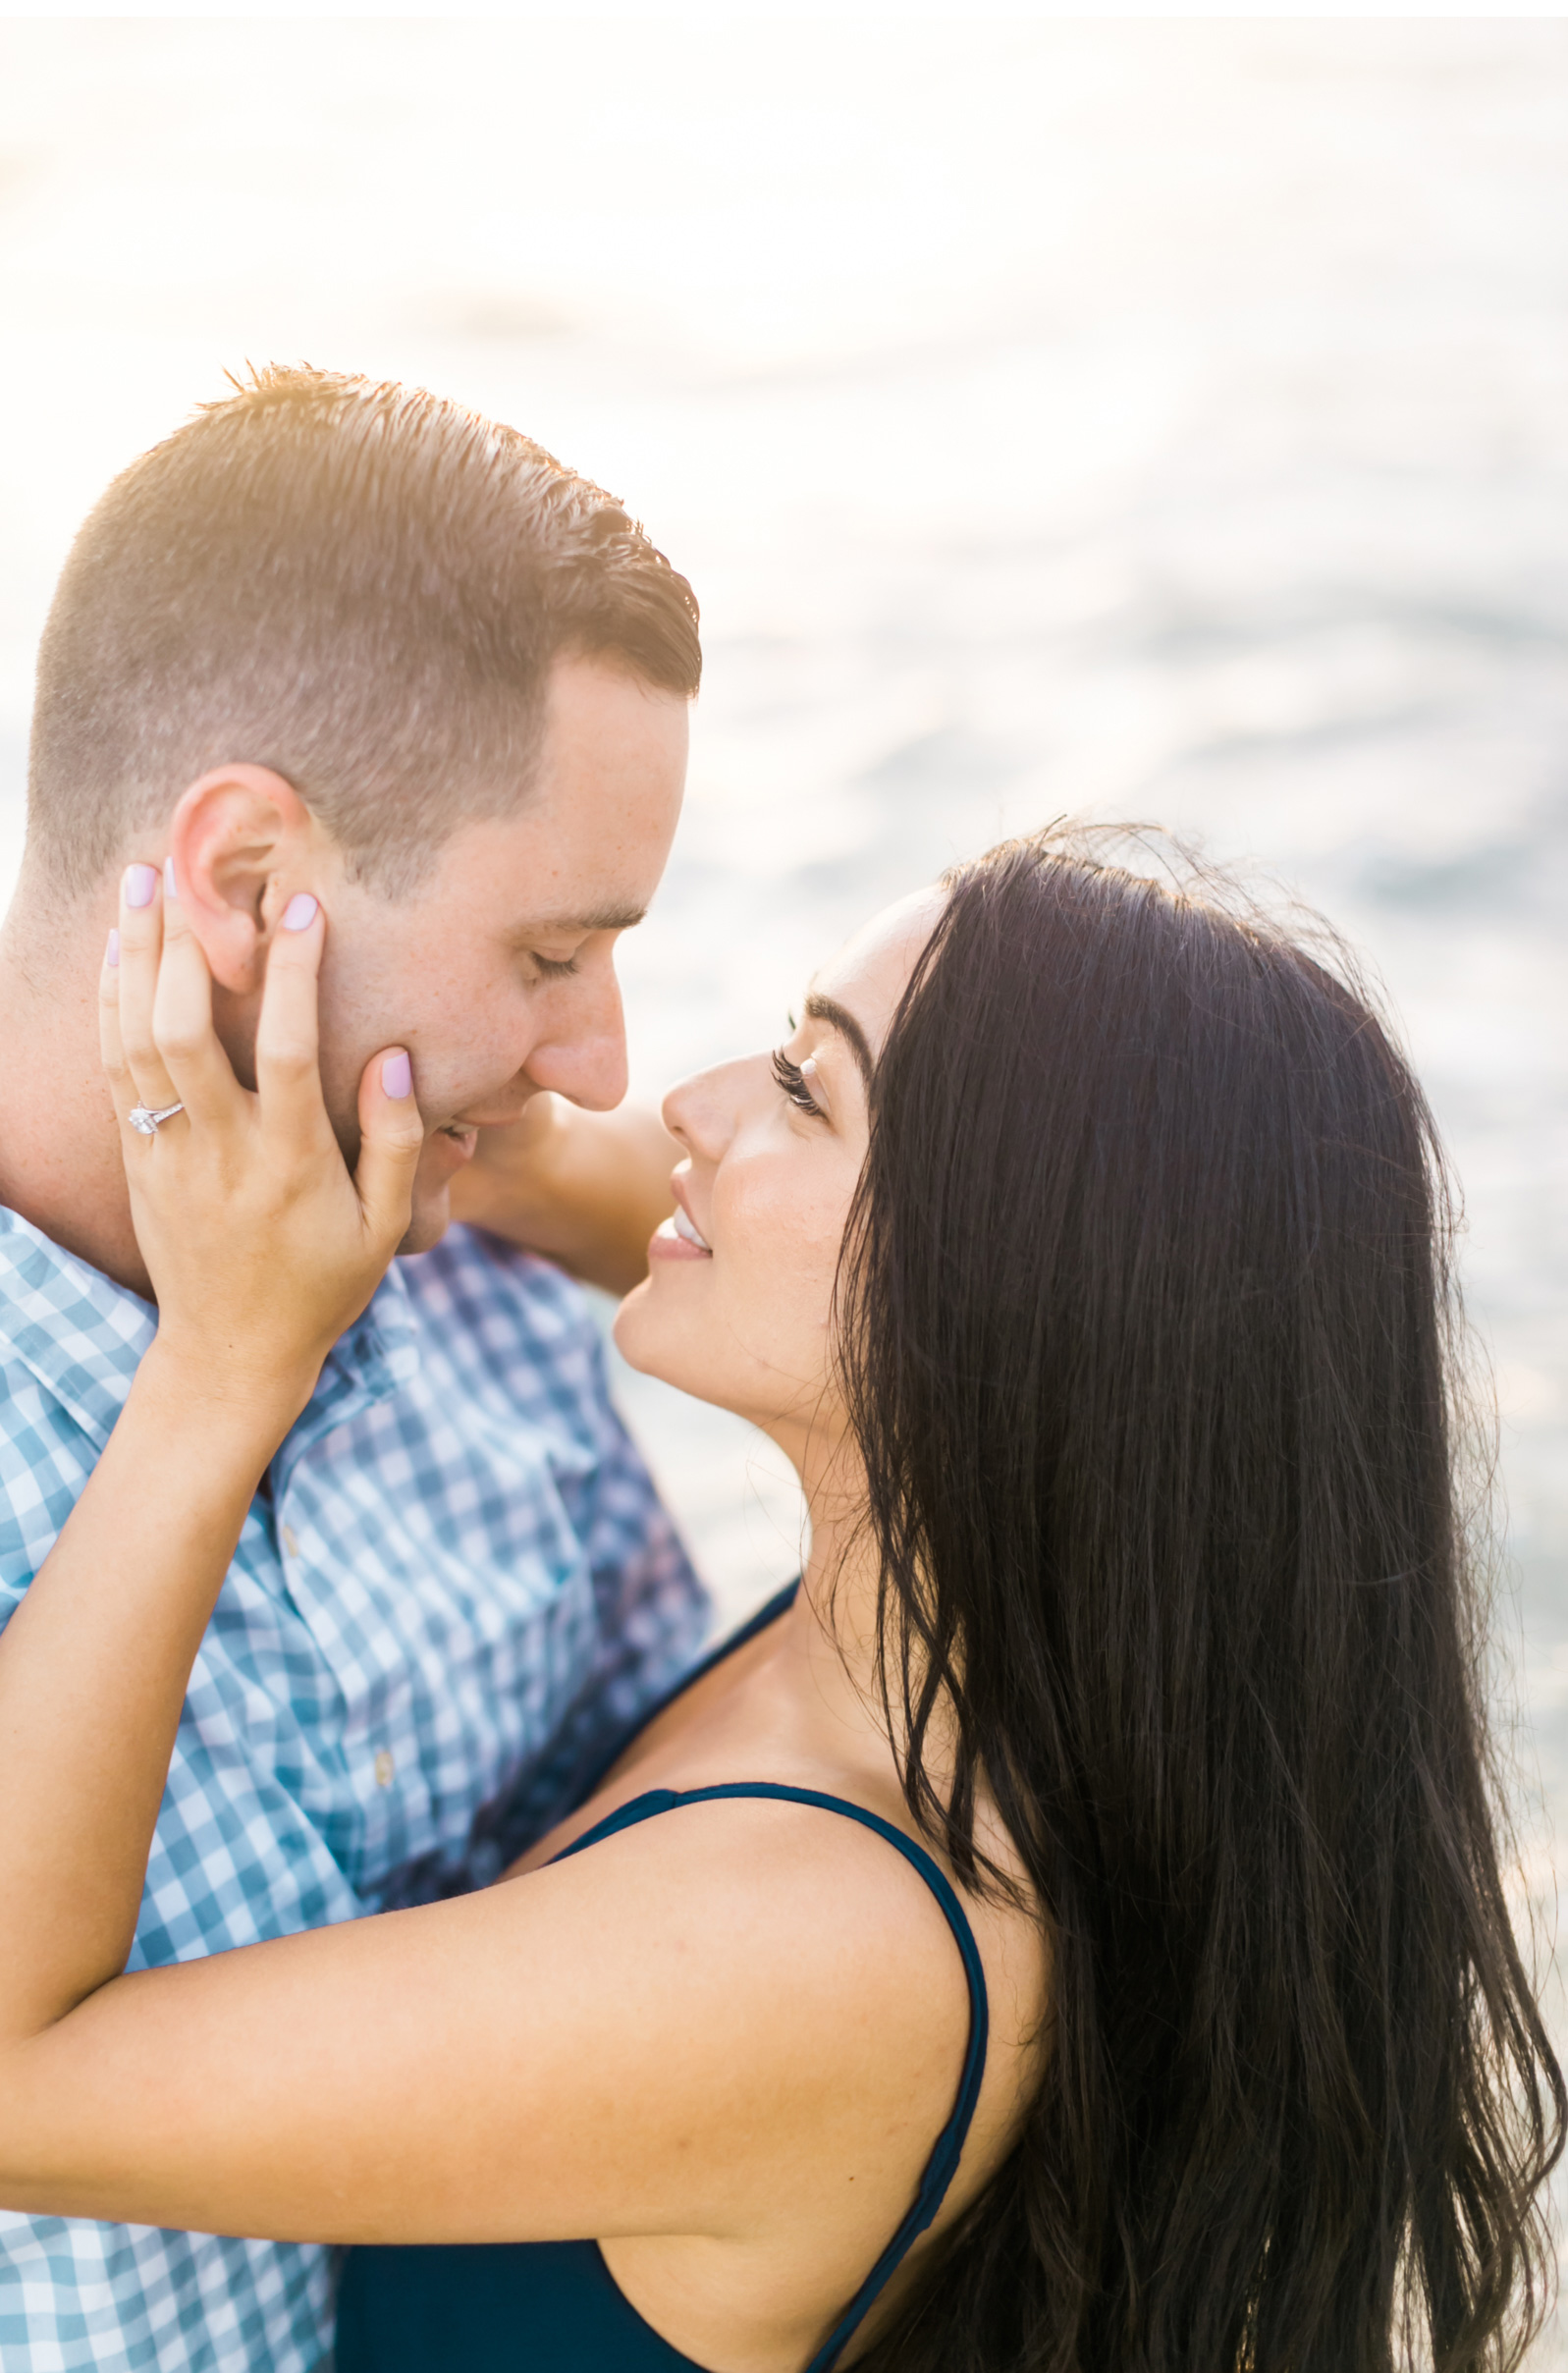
(793, 1080)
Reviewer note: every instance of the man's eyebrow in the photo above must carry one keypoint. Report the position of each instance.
(578, 927)
(838, 1018)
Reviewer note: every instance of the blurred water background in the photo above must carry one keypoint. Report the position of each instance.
(1154, 419)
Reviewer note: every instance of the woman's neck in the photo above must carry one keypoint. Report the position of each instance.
(836, 1610)
(834, 1630)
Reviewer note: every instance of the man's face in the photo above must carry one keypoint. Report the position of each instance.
(499, 974)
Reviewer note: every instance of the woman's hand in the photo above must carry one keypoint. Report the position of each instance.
(260, 1246)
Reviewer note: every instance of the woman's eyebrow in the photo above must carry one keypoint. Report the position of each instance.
(838, 1018)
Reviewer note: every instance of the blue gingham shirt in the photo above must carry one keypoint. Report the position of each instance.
(464, 1585)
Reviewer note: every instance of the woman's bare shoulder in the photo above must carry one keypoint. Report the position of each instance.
(774, 1885)
(826, 1977)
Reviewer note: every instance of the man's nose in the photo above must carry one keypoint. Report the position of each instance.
(585, 1058)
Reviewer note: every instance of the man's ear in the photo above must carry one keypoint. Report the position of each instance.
(243, 841)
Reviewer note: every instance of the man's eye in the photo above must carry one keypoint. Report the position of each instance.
(553, 968)
(793, 1080)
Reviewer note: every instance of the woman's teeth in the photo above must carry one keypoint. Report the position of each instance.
(683, 1227)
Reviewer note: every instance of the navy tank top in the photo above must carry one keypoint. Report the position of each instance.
(552, 2306)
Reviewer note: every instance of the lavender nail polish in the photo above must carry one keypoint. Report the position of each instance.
(397, 1075)
(114, 951)
(140, 882)
(300, 911)
(170, 887)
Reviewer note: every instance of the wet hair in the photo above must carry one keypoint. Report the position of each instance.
(1147, 1337)
(359, 585)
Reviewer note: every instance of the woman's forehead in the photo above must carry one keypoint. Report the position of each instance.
(870, 971)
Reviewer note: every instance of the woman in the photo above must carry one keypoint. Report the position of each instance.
(1068, 1933)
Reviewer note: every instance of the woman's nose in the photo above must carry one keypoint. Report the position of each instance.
(701, 1111)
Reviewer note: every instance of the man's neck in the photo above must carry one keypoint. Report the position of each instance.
(60, 1164)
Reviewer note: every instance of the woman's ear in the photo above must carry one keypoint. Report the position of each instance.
(243, 841)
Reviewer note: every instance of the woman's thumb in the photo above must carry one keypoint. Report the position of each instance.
(392, 1138)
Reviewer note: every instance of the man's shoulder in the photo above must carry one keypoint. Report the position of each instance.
(52, 1298)
(69, 1341)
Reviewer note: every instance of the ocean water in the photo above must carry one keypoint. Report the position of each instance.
(1165, 420)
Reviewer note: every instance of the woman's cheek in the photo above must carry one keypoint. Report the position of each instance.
(787, 1243)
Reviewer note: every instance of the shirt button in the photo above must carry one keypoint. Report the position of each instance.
(385, 1767)
(290, 1543)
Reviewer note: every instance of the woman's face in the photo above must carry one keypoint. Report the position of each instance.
(737, 1305)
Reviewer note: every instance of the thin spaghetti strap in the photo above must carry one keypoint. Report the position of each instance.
(943, 2164)
(605, 1760)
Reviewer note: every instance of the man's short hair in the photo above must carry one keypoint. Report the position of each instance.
(358, 585)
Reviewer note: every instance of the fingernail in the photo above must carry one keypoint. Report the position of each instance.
(114, 950)
(300, 911)
(397, 1075)
(140, 882)
(169, 890)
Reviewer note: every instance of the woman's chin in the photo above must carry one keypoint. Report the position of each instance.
(658, 1342)
(625, 1321)
(639, 1335)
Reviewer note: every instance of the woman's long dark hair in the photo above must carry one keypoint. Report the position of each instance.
(1146, 1339)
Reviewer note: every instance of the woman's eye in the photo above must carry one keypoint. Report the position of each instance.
(793, 1080)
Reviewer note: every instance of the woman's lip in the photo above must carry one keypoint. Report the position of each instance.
(665, 1245)
(463, 1140)
(683, 1211)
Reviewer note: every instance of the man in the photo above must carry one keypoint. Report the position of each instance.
(350, 640)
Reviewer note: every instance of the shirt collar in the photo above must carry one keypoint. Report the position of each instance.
(84, 1336)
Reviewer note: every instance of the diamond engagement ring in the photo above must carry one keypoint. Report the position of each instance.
(147, 1122)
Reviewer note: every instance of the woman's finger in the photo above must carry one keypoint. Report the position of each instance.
(287, 1065)
(140, 949)
(111, 1049)
(199, 1071)
(392, 1138)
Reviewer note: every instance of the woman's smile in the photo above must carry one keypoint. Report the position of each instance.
(679, 1237)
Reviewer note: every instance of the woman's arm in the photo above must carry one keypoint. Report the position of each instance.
(667, 2033)
(586, 1189)
(93, 1668)
(267, 1249)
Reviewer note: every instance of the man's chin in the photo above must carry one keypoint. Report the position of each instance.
(430, 1219)
(444, 1157)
